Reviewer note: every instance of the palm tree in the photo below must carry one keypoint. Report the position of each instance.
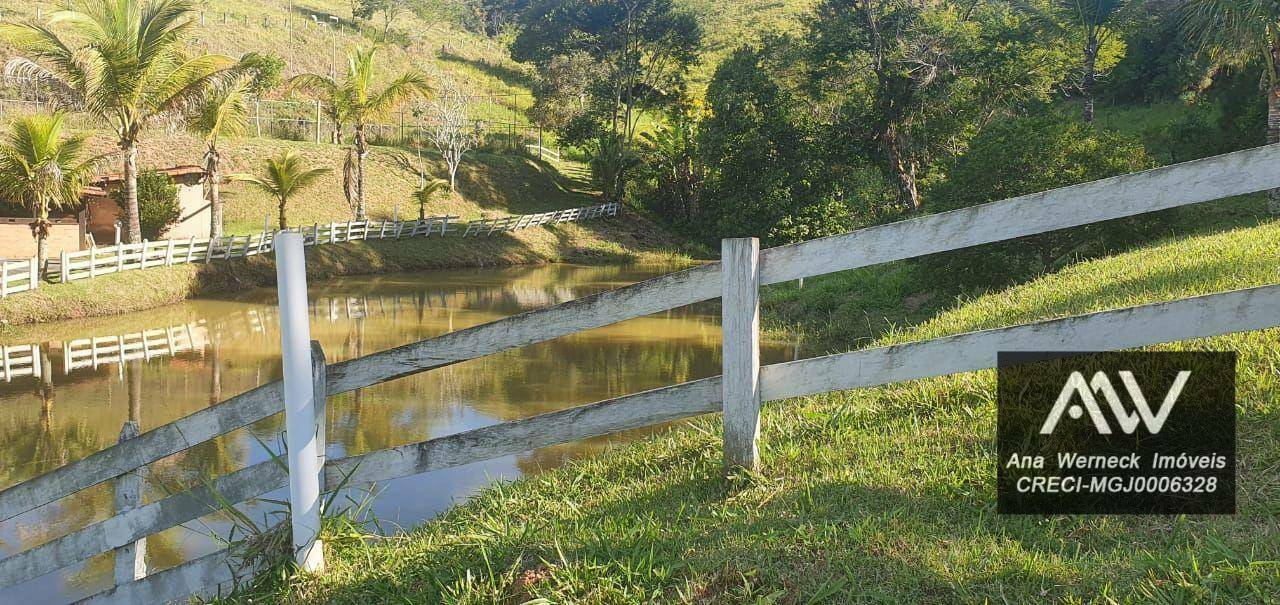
(42, 170)
(356, 101)
(425, 192)
(1092, 20)
(121, 63)
(285, 176)
(224, 113)
(1237, 33)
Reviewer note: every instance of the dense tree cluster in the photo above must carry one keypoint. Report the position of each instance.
(878, 109)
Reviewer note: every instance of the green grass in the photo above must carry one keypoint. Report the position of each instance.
(875, 495)
(854, 308)
(477, 64)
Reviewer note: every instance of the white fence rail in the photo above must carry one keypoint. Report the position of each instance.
(737, 392)
(18, 276)
(105, 260)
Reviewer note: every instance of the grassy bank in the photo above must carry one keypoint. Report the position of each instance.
(874, 495)
(625, 239)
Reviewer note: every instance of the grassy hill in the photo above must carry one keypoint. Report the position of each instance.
(873, 495)
(428, 37)
(488, 183)
(728, 25)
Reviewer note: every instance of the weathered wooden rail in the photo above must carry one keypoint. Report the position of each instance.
(17, 276)
(737, 393)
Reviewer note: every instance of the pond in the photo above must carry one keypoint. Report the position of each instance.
(202, 351)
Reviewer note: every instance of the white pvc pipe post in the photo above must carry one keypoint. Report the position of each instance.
(299, 402)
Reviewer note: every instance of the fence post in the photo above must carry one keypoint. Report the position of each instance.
(131, 558)
(299, 401)
(4, 284)
(318, 377)
(317, 122)
(740, 325)
(34, 275)
(65, 267)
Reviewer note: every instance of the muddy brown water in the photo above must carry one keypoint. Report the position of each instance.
(207, 350)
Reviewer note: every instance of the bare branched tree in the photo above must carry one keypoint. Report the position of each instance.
(451, 129)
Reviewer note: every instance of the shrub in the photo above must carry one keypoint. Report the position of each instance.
(1027, 155)
(158, 207)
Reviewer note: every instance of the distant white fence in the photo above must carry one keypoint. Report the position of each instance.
(18, 276)
(737, 393)
(104, 260)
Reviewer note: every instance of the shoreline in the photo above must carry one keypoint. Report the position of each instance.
(139, 290)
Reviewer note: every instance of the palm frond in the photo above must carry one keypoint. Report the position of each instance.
(189, 83)
(403, 88)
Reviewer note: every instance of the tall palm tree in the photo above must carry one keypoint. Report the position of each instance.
(224, 113)
(1094, 22)
(285, 176)
(121, 62)
(43, 170)
(427, 190)
(357, 101)
(1237, 33)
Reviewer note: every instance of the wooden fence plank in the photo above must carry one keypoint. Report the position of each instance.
(166, 440)
(1204, 180)
(131, 563)
(610, 416)
(136, 524)
(602, 309)
(740, 324)
(207, 576)
(1199, 317)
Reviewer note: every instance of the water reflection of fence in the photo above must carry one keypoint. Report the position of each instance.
(145, 345)
(737, 393)
(17, 361)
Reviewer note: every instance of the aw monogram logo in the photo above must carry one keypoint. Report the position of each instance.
(1077, 387)
(1129, 432)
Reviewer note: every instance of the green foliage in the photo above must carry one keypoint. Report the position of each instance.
(672, 173)
(1027, 155)
(1158, 61)
(428, 190)
(356, 100)
(642, 50)
(40, 168)
(755, 156)
(910, 82)
(267, 70)
(158, 206)
(122, 61)
(284, 177)
(611, 166)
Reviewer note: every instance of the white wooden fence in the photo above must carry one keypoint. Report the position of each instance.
(97, 261)
(737, 392)
(18, 276)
